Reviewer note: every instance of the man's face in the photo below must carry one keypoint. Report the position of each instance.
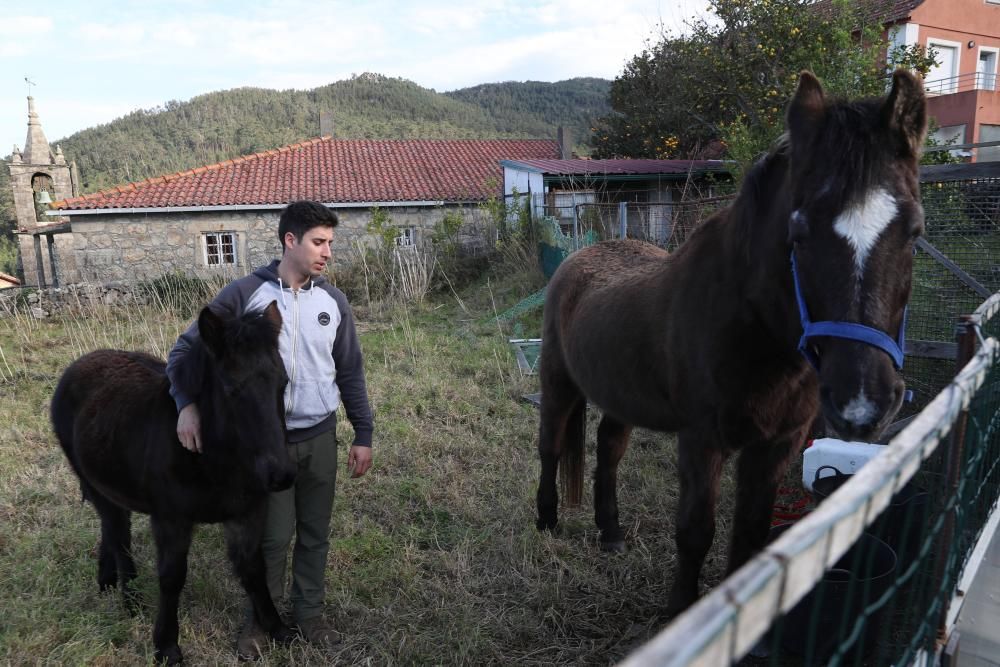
(311, 255)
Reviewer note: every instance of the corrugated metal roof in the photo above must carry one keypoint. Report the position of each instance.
(615, 167)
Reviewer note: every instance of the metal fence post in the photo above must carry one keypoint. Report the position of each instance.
(623, 218)
(576, 226)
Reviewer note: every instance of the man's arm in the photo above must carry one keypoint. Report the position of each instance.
(185, 374)
(353, 389)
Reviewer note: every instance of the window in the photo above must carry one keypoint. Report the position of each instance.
(989, 153)
(986, 69)
(220, 248)
(953, 135)
(942, 79)
(407, 237)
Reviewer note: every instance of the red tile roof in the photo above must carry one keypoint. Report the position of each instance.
(332, 171)
(884, 12)
(610, 167)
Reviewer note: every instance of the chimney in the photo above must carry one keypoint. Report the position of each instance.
(565, 139)
(325, 123)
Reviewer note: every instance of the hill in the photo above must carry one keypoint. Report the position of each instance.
(220, 125)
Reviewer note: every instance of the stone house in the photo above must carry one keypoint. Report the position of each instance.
(221, 219)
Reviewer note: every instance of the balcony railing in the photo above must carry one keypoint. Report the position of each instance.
(961, 83)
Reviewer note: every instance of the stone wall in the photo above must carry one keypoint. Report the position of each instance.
(140, 246)
(70, 300)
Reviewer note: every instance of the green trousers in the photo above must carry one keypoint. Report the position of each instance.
(302, 511)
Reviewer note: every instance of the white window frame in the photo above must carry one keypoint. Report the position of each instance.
(956, 68)
(222, 258)
(407, 237)
(981, 84)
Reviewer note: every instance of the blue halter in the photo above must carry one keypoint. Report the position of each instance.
(849, 330)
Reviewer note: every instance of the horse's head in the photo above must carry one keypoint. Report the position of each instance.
(855, 215)
(248, 390)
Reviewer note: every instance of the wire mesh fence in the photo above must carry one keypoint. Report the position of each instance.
(875, 573)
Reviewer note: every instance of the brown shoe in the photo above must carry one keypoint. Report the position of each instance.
(252, 640)
(318, 632)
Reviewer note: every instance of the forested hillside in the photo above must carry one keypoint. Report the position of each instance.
(220, 125)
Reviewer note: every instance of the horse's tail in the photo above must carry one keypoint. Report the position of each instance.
(572, 461)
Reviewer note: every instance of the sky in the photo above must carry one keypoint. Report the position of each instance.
(94, 61)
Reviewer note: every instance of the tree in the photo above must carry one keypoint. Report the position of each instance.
(728, 80)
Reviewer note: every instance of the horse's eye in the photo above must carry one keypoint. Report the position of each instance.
(798, 228)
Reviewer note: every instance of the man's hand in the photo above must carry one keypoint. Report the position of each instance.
(189, 428)
(359, 460)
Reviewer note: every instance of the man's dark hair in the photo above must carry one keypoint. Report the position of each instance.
(301, 216)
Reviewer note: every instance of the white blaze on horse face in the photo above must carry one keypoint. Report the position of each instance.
(859, 411)
(862, 224)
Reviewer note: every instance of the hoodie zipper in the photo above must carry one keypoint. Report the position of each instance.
(295, 341)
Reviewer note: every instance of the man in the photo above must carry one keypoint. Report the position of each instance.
(319, 346)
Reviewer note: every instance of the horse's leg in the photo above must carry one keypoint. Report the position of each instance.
(699, 462)
(173, 540)
(243, 537)
(612, 440)
(115, 565)
(761, 468)
(562, 425)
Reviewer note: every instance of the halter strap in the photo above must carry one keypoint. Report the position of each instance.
(849, 330)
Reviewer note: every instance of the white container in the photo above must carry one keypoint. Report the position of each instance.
(847, 457)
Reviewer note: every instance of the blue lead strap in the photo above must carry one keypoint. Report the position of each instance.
(847, 330)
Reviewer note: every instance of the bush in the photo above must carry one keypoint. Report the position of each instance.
(8, 256)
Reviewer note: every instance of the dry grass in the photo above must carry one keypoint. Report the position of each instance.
(435, 558)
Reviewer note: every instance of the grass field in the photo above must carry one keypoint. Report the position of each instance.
(434, 558)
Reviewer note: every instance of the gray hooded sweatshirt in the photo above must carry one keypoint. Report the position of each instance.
(318, 343)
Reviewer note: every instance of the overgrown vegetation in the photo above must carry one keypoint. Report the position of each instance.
(729, 78)
(435, 557)
(8, 255)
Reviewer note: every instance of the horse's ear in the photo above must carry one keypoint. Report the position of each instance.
(806, 109)
(905, 111)
(212, 331)
(273, 316)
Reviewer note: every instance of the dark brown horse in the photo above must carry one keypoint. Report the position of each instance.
(711, 341)
(115, 419)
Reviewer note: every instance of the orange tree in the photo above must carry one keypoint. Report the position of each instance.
(724, 83)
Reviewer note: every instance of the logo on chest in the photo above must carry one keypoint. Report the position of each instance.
(324, 318)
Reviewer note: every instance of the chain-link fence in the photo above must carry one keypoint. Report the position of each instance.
(876, 574)
(957, 266)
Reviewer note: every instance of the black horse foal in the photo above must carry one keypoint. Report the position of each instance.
(115, 419)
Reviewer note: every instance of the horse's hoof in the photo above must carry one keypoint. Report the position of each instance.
(615, 547)
(283, 634)
(171, 656)
(547, 524)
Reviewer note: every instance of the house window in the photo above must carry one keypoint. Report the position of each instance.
(942, 79)
(952, 135)
(988, 133)
(986, 69)
(220, 248)
(407, 237)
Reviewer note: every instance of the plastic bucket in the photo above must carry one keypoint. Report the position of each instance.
(902, 523)
(858, 579)
(823, 487)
